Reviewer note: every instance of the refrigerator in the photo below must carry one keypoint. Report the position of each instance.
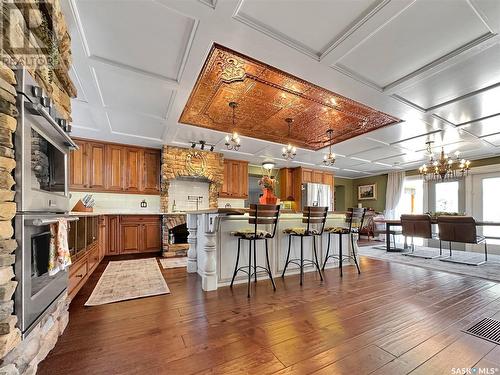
(318, 195)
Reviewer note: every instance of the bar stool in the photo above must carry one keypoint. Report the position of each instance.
(311, 215)
(258, 214)
(418, 226)
(354, 219)
(460, 229)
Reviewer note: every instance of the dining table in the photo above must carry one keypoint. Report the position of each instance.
(390, 223)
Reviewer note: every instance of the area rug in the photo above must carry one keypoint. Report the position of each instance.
(174, 262)
(489, 270)
(128, 279)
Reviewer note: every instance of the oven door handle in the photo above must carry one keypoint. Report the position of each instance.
(42, 222)
(38, 109)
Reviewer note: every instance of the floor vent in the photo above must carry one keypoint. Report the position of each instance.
(488, 329)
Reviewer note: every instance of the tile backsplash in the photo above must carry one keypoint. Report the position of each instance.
(184, 194)
(119, 202)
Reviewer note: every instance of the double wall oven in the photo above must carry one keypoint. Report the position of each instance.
(42, 145)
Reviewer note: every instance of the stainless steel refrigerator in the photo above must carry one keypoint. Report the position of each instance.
(318, 195)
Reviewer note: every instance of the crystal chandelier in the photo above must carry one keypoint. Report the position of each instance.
(233, 141)
(444, 168)
(289, 151)
(329, 159)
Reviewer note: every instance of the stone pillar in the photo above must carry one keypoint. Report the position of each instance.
(209, 271)
(10, 336)
(192, 226)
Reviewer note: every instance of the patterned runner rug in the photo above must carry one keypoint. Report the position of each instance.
(174, 262)
(128, 279)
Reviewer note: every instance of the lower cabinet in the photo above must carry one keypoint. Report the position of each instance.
(140, 234)
(113, 235)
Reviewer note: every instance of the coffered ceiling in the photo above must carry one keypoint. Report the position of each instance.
(432, 63)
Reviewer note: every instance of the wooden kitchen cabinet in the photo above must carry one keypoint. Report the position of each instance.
(140, 233)
(133, 174)
(113, 235)
(110, 167)
(103, 243)
(307, 175)
(97, 165)
(235, 184)
(317, 177)
(115, 160)
(78, 168)
(286, 185)
(130, 235)
(151, 180)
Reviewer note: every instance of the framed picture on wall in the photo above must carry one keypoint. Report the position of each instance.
(367, 192)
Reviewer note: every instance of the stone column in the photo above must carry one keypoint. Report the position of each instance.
(209, 277)
(192, 226)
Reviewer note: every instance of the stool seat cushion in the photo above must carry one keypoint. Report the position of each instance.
(300, 231)
(339, 230)
(250, 233)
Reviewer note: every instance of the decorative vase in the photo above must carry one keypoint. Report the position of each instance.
(268, 197)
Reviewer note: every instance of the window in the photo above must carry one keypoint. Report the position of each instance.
(412, 199)
(446, 198)
(491, 212)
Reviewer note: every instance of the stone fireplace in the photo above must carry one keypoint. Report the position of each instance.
(198, 166)
(184, 162)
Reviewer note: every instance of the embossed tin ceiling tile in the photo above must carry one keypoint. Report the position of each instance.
(266, 96)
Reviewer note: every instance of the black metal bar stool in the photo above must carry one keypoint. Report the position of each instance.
(258, 214)
(311, 215)
(354, 218)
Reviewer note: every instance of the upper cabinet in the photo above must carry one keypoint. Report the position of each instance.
(151, 180)
(235, 184)
(108, 167)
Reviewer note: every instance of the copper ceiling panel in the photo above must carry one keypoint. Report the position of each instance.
(266, 96)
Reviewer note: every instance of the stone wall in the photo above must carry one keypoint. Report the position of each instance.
(18, 357)
(186, 162)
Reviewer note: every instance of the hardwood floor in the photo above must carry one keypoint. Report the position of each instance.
(391, 319)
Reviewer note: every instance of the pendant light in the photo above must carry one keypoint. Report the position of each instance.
(289, 151)
(233, 140)
(329, 159)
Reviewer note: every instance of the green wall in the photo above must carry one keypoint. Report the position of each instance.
(377, 204)
(343, 191)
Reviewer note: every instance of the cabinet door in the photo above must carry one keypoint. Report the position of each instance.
(226, 184)
(328, 179)
(152, 237)
(115, 161)
(113, 235)
(151, 172)
(286, 184)
(307, 176)
(131, 238)
(97, 165)
(78, 167)
(234, 190)
(102, 237)
(242, 181)
(133, 171)
(317, 177)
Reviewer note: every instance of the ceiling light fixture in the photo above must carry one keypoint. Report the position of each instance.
(329, 159)
(444, 168)
(268, 165)
(233, 141)
(289, 151)
(203, 145)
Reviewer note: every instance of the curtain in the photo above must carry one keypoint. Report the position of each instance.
(395, 181)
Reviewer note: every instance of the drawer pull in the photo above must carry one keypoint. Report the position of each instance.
(79, 275)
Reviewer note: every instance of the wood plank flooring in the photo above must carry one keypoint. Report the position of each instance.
(391, 319)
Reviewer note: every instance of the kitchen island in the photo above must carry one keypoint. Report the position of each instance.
(212, 248)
